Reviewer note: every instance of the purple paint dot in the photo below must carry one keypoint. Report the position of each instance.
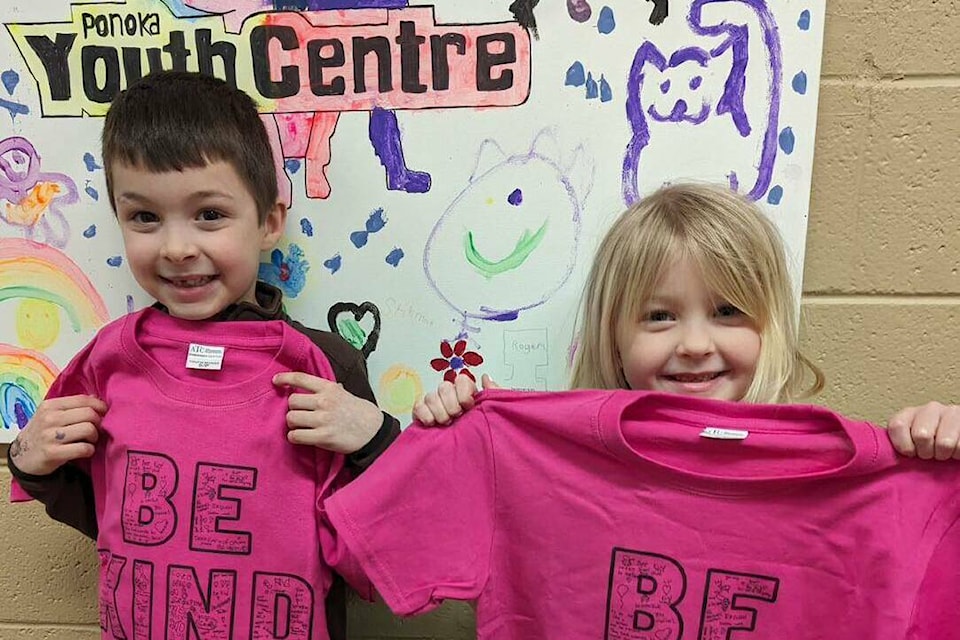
(90, 231)
(23, 416)
(129, 303)
(306, 227)
(695, 82)
(734, 181)
(579, 10)
(114, 261)
(664, 86)
(515, 197)
(804, 21)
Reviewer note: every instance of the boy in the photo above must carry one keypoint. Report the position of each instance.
(191, 180)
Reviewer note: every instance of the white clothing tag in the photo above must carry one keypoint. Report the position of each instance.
(201, 356)
(724, 434)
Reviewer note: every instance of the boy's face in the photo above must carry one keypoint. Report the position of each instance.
(191, 237)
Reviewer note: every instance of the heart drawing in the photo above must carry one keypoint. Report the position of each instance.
(351, 322)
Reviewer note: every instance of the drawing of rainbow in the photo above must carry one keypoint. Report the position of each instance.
(25, 377)
(32, 270)
(35, 271)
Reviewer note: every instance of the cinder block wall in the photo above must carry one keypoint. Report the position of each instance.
(882, 278)
(881, 286)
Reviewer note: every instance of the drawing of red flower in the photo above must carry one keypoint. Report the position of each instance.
(455, 360)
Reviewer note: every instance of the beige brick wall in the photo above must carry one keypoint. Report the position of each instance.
(881, 287)
(882, 278)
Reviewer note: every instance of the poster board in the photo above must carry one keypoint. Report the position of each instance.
(449, 166)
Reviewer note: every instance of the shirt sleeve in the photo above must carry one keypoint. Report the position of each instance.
(419, 524)
(361, 459)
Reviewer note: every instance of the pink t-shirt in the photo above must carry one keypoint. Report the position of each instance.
(207, 514)
(609, 514)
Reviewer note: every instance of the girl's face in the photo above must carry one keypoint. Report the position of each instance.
(688, 341)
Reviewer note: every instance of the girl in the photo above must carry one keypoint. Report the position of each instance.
(690, 293)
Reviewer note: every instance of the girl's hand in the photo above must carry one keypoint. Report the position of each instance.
(449, 400)
(929, 431)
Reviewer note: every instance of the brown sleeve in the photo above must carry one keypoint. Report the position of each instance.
(66, 494)
(350, 368)
(388, 432)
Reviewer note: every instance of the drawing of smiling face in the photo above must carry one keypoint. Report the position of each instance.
(507, 242)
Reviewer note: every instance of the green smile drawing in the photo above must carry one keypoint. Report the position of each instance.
(489, 268)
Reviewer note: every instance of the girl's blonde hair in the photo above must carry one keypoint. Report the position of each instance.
(741, 257)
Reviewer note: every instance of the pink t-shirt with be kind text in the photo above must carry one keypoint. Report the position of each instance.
(610, 514)
(207, 515)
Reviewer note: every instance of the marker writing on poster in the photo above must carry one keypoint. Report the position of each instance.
(295, 66)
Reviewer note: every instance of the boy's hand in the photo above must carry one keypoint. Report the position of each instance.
(929, 431)
(449, 400)
(61, 430)
(328, 416)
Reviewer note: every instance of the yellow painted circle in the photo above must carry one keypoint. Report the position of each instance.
(38, 323)
(400, 387)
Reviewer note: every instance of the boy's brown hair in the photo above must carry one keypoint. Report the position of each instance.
(172, 120)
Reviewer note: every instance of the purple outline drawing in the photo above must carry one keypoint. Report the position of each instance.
(20, 176)
(736, 39)
(544, 223)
